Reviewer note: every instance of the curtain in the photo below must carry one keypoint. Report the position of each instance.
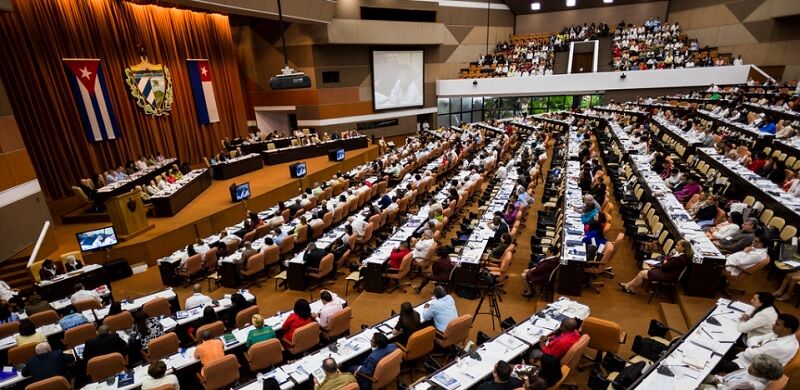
(37, 34)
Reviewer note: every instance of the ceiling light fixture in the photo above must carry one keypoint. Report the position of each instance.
(536, 6)
(608, 1)
(570, 3)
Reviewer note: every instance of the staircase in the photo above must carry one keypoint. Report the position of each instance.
(604, 55)
(560, 61)
(15, 273)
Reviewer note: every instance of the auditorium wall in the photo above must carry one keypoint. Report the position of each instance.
(546, 22)
(21, 198)
(461, 38)
(763, 32)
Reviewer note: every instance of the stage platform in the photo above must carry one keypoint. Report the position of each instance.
(212, 210)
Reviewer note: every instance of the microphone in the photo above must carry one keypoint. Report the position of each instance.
(664, 369)
(713, 321)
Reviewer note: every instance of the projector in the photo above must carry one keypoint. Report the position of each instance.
(289, 79)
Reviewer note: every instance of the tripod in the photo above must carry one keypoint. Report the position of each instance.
(494, 309)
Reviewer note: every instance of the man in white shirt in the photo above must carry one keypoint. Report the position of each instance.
(197, 298)
(422, 247)
(780, 344)
(331, 304)
(358, 225)
(200, 247)
(746, 258)
(762, 370)
(82, 294)
(738, 61)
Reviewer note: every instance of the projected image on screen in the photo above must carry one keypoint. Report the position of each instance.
(397, 79)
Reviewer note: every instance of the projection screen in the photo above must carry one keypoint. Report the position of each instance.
(397, 79)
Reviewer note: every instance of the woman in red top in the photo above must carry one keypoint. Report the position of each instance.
(396, 257)
(301, 316)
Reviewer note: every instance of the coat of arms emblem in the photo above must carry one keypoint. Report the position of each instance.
(151, 85)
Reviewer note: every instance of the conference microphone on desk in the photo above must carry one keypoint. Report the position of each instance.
(664, 369)
(713, 321)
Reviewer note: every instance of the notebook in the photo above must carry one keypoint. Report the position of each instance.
(125, 378)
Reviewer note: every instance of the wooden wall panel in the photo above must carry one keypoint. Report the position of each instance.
(20, 165)
(6, 180)
(10, 137)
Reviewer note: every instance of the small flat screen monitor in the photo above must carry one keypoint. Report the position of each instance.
(336, 155)
(97, 239)
(297, 170)
(240, 192)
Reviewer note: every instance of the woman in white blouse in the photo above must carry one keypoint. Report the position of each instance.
(759, 322)
(727, 228)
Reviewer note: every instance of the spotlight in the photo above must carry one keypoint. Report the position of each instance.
(571, 3)
(536, 6)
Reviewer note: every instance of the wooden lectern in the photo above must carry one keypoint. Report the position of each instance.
(128, 215)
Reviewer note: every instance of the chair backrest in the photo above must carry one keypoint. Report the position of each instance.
(216, 329)
(163, 346)
(121, 321)
(44, 318)
(245, 316)
(78, 256)
(564, 373)
(420, 343)
(87, 304)
(264, 354)
(221, 373)
(101, 367)
(9, 329)
(387, 369)
(78, 335)
(249, 236)
(210, 258)
(316, 229)
(350, 386)
(367, 233)
(574, 353)
(604, 335)
(456, 332)
(262, 230)
(193, 265)
(778, 384)
(405, 267)
(21, 353)
(272, 255)
(287, 244)
(302, 234)
(339, 323)
(755, 267)
(325, 266)
(52, 383)
(305, 338)
(157, 307)
(255, 264)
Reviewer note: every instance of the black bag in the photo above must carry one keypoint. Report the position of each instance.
(507, 323)
(628, 375)
(482, 338)
(648, 348)
(597, 381)
(657, 329)
(613, 363)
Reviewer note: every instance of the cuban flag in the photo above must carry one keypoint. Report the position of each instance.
(92, 98)
(204, 101)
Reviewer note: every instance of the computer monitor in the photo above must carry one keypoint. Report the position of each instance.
(297, 170)
(336, 155)
(93, 240)
(240, 192)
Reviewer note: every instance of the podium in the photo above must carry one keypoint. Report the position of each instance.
(128, 215)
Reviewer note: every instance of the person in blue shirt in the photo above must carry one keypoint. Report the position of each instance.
(380, 348)
(72, 319)
(441, 311)
(279, 236)
(595, 235)
(768, 126)
(589, 214)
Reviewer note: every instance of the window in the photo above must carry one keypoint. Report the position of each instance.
(452, 111)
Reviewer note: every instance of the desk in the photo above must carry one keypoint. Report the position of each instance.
(466, 372)
(236, 166)
(348, 349)
(707, 261)
(704, 338)
(767, 192)
(573, 251)
(248, 147)
(752, 134)
(167, 204)
(139, 178)
(91, 276)
(295, 153)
